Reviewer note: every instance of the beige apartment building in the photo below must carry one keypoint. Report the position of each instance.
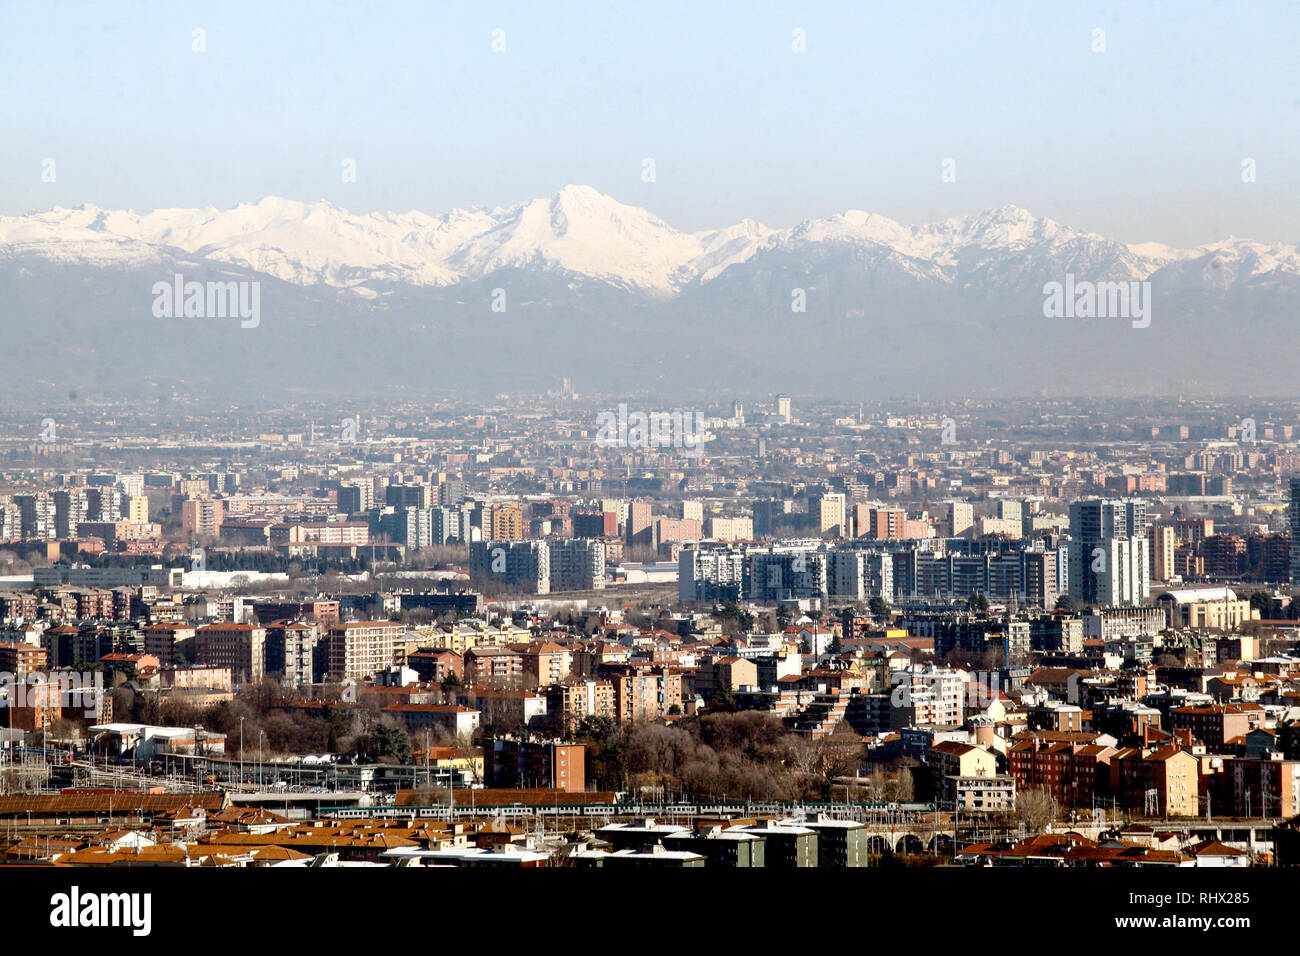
(359, 649)
(1163, 545)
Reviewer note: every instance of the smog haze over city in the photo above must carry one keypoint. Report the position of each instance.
(652, 436)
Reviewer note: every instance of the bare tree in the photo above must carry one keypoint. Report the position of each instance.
(1035, 809)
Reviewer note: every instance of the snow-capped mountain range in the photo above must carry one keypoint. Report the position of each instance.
(852, 305)
(582, 233)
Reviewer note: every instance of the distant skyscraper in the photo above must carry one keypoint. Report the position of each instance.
(783, 408)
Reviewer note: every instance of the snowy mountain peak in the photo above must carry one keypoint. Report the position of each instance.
(582, 232)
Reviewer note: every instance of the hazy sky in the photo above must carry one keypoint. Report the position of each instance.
(1144, 141)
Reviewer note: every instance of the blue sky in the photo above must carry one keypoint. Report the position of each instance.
(1144, 141)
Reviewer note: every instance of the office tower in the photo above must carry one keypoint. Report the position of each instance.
(1109, 552)
(783, 408)
(1294, 516)
(349, 499)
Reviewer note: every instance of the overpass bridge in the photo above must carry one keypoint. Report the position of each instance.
(901, 828)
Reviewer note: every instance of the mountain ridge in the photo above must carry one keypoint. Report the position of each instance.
(580, 285)
(583, 232)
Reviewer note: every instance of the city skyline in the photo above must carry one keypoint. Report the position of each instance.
(848, 437)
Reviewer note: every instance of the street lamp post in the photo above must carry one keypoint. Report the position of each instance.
(8, 752)
(241, 751)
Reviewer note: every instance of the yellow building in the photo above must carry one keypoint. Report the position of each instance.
(1206, 607)
(463, 635)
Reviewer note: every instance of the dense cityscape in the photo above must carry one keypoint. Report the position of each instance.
(859, 439)
(562, 631)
